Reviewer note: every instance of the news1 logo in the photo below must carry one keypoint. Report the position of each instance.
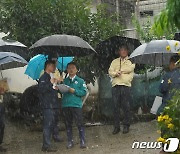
(171, 145)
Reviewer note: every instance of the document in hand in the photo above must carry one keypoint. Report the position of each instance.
(63, 88)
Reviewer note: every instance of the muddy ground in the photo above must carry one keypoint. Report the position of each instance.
(19, 140)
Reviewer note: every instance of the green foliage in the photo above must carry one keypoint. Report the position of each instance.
(149, 31)
(168, 20)
(169, 121)
(161, 26)
(144, 32)
(29, 20)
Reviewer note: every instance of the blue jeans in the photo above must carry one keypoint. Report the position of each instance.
(50, 126)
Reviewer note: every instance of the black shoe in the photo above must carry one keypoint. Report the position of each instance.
(2, 149)
(116, 131)
(49, 149)
(125, 129)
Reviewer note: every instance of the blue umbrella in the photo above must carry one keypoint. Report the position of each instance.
(36, 65)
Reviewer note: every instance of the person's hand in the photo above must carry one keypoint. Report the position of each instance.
(53, 80)
(71, 90)
(59, 79)
(118, 73)
(55, 87)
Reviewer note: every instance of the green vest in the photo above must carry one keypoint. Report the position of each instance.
(75, 99)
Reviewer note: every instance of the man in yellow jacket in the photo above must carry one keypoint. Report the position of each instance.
(121, 70)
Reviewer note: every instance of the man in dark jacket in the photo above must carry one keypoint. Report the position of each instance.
(170, 81)
(48, 96)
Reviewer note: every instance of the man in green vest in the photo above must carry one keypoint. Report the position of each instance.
(72, 104)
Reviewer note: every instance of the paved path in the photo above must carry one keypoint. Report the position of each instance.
(99, 140)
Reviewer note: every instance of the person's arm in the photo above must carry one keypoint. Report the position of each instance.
(164, 86)
(80, 91)
(111, 71)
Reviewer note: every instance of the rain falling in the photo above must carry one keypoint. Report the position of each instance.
(89, 76)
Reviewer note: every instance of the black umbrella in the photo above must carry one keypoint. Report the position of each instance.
(107, 49)
(10, 60)
(61, 45)
(13, 46)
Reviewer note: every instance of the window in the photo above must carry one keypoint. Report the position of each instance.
(146, 13)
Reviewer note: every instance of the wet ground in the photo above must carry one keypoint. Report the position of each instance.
(99, 140)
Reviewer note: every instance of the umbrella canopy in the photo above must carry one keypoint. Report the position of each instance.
(36, 65)
(107, 49)
(62, 45)
(156, 52)
(10, 60)
(13, 46)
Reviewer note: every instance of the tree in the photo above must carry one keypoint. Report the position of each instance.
(168, 20)
(27, 21)
(149, 31)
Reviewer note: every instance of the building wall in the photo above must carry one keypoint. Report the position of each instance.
(150, 5)
(141, 8)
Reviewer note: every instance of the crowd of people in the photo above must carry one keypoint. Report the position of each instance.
(121, 71)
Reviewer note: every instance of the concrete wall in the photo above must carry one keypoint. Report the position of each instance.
(151, 5)
(127, 7)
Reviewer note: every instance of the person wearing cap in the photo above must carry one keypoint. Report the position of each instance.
(72, 104)
(121, 70)
(170, 81)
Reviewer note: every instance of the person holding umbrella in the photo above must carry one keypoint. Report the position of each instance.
(72, 104)
(121, 70)
(8, 60)
(48, 95)
(170, 81)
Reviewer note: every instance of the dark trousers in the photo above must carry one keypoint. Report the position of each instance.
(121, 97)
(71, 113)
(2, 125)
(75, 113)
(50, 126)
